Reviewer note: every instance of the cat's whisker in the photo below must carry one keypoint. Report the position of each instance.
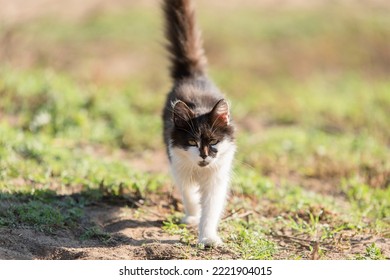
(190, 123)
(189, 132)
(212, 126)
(185, 119)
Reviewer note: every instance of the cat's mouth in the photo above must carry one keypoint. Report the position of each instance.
(203, 163)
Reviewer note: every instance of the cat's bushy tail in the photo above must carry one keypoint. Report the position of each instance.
(184, 39)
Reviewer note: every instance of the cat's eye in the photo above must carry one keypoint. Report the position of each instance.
(214, 142)
(192, 142)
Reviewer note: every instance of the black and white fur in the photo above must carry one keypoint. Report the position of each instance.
(198, 130)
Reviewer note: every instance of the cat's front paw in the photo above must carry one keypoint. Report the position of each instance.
(211, 241)
(190, 220)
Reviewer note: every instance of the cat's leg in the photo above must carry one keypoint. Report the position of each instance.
(190, 195)
(189, 191)
(213, 197)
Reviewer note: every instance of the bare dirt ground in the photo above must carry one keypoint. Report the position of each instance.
(135, 231)
(131, 237)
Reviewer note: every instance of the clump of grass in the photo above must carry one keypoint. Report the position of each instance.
(372, 253)
(94, 232)
(370, 202)
(174, 227)
(250, 243)
(36, 214)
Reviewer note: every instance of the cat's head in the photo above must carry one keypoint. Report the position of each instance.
(203, 138)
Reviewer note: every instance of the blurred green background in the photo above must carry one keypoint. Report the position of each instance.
(83, 83)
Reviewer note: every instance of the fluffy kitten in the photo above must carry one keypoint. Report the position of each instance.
(198, 131)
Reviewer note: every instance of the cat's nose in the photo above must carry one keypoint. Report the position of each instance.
(203, 156)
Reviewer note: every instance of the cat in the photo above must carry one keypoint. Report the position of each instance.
(197, 126)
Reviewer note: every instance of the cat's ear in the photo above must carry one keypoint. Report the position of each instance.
(182, 114)
(220, 115)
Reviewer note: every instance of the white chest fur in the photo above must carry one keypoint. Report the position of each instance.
(203, 189)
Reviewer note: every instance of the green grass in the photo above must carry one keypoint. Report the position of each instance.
(95, 232)
(372, 253)
(173, 226)
(250, 242)
(309, 93)
(40, 209)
